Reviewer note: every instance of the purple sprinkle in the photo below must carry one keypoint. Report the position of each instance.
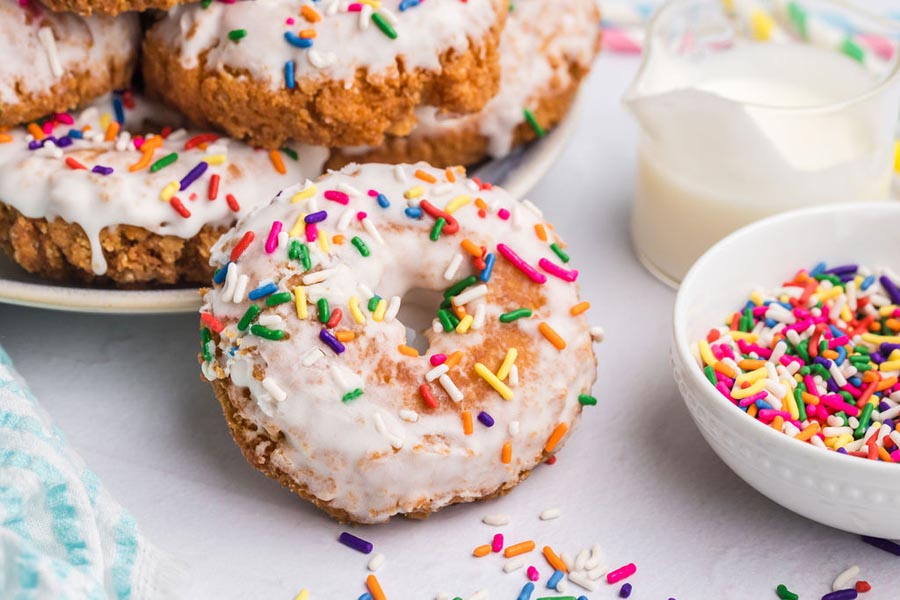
(64, 142)
(877, 357)
(102, 170)
(842, 270)
(887, 348)
(193, 175)
(331, 341)
(486, 419)
(316, 217)
(886, 545)
(841, 451)
(358, 544)
(625, 590)
(849, 594)
(34, 145)
(891, 288)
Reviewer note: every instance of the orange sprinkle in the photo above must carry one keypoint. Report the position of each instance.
(375, 587)
(810, 430)
(870, 376)
(557, 435)
(520, 548)
(5, 138)
(777, 423)
(540, 231)
(887, 383)
(830, 354)
(894, 324)
(420, 174)
(483, 550)
(338, 239)
(884, 455)
(36, 131)
(148, 148)
(480, 204)
(307, 33)
(345, 335)
(551, 336)
(454, 359)
(807, 398)
(748, 364)
(112, 131)
(467, 422)
(555, 561)
(277, 161)
(752, 410)
(471, 247)
(506, 453)
(459, 311)
(310, 14)
(448, 172)
(724, 369)
(579, 308)
(408, 350)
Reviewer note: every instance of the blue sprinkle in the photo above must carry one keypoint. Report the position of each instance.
(586, 598)
(525, 594)
(219, 276)
(75, 133)
(297, 41)
(382, 201)
(263, 291)
(407, 4)
(762, 404)
(842, 356)
(818, 269)
(413, 212)
(856, 381)
(554, 579)
(770, 323)
(119, 110)
(489, 261)
(289, 81)
(867, 282)
(366, 596)
(835, 331)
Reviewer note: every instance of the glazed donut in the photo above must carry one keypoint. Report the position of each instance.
(546, 49)
(97, 198)
(332, 73)
(306, 347)
(55, 62)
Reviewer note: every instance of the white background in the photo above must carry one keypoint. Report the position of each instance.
(636, 477)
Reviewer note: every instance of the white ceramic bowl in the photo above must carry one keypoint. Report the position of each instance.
(849, 493)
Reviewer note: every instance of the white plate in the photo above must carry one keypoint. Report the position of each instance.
(517, 173)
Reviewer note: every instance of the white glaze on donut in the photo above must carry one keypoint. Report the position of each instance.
(370, 457)
(32, 62)
(345, 41)
(40, 184)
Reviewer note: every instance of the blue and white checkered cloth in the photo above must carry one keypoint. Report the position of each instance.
(62, 536)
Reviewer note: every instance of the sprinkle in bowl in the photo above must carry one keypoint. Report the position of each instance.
(849, 493)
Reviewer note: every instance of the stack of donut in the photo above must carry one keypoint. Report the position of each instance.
(244, 96)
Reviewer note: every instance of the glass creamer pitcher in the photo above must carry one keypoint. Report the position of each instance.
(747, 109)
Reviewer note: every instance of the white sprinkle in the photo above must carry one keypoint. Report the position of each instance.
(513, 426)
(338, 376)
(240, 289)
(581, 559)
(513, 376)
(479, 316)
(436, 326)
(123, 141)
(441, 189)
(843, 581)
(49, 151)
(318, 276)
(597, 572)
(495, 520)
(453, 267)
(436, 372)
(514, 564)
(348, 189)
(45, 35)
(344, 222)
(410, 416)
(276, 392)
(473, 293)
(596, 334)
(312, 357)
(534, 209)
(561, 585)
(450, 388)
(400, 174)
(365, 17)
(391, 18)
(231, 279)
(366, 291)
(472, 185)
(479, 595)
(282, 239)
(442, 596)
(372, 230)
(393, 308)
(567, 560)
(380, 427)
(550, 514)
(376, 562)
(321, 60)
(596, 556)
(271, 321)
(580, 579)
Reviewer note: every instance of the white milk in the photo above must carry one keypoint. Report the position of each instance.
(740, 134)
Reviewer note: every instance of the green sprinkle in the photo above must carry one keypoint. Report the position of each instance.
(304, 257)
(360, 245)
(446, 303)
(324, 311)
(446, 321)
(459, 286)
(864, 419)
(798, 17)
(290, 152)
(559, 252)
(205, 339)
(801, 405)
(587, 400)
(279, 298)
(843, 417)
(352, 395)
(514, 315)
(437, 229)
(205, 3)
(784, 593)
(248, 317)
(384, 26)
(294, 250)
(164, 162)
(265, 332)
(848, 398)
(538, 130)
(853, 50)
(710, 374)
(373, 303)
(236, 35)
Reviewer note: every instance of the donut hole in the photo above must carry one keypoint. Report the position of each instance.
(417, 310)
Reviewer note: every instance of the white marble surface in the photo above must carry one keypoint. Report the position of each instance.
(636, 477)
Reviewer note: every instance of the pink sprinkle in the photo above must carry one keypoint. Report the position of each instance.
(497, 542)
(289, 21)
(437, 359)
(751, 399)
(373, 193)
(621, 573)
(503, 214)
(616, 40)
(895, 455)
(138, 142)
(881, 46)
(558, 271)
(837, 403)
(355, 7)
(64, 118)
(510, 255)
(312, 232)
(533, 574)
(272, 240)
(48, 126)
(336, 196)
(361, 215)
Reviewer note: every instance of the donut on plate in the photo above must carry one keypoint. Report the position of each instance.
(54, 62)
(306, 339)
(546, 50)
(330, 73)
(113, 195)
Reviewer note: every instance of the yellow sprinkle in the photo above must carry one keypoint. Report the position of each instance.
(897, 156)
(305, 193)
(728, 5)
(167, 192)
(464, 324)
(761, 25)
(756, 298)
(105, 119)
(825, 295)
(706, 353)
(508, 361)
(751, 376)
(373, 3)
(892, 365)
(457, 203)
(380, 309)
(750, 338)
(846, 315)
(789, 401)
(299, 226)
(300, 301)
(214, 159)
(324, 244)
(842, 440)
(886, 311)
(414, 192)
(303, 595)
(357, 314)
(492, 381)
(881, 339)
(740, 393)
